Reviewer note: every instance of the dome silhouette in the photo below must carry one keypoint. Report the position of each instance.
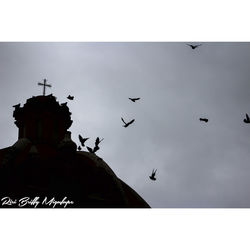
(44, 164)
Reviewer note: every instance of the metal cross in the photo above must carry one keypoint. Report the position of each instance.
(44, 85)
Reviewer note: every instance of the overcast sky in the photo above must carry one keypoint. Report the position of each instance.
(198, 164)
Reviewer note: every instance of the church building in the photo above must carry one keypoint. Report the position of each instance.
(44, 169)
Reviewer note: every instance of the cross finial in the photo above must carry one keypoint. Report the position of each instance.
(44, 85)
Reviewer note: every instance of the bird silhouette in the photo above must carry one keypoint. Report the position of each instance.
(93, 150)
(17, 105)
(152, 176)
(90, 150)
(97, 141)
(247, 120)
(134, 99)
(204, 119)
(70, 97)
(127, 124)
(194, 46)
(79, 148)
(96, 148)
(82, 140)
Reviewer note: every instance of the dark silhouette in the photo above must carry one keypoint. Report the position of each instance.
(247, 120)
(152, 176)
(82, 140)
(127, 124)
(93, 150)
(194, 46)
(96, 148)
(44, 85)
(97, 141)
(204, 119)
(79, 148)
(64, 104)
(134, 99)
(70, 97)
(17, 105)
(62, 172)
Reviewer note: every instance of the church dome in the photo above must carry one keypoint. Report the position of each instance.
(44, 162)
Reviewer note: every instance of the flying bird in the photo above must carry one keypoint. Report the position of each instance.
(79, 148)
(97, 141)
(194, 46)
(152, 176)
(204, 119)
(90, 150)
(96, 148)
(82, 140)
(70, 97)
(127, 124)
(247, 120)
(93, 150)
(17, 105)
(134, 99)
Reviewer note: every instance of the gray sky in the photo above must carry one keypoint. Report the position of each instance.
(198, 164)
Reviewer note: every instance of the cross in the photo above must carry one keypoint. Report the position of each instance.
(44, 85)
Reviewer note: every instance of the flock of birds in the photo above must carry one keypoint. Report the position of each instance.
(126, 124)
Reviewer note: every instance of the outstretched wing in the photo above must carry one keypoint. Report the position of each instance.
(90, 149)
(123, 121)
(247, 116)
(97, 141)
(95, 149)
(131, 122)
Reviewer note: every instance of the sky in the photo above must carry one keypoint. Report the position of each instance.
(198, 164)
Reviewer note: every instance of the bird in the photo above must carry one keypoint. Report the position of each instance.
(204, 119)
(152, 176)
(97, 141)
(247, 120)
(70, 97)
(134, 99)
(17, 105)
(194, 46)
(90, 150)
(127, 124)
(79, 148)
(96, 148)
(93, 150)
(82, 140)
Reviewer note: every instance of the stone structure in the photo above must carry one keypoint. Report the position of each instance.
(45, 164)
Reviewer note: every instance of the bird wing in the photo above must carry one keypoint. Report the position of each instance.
(81, 139)
(189, 45)
(95, 149)
(136, 99)
(247, 116)
(131, 122)
(123, 121)
(90, 149)
(97, 141)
